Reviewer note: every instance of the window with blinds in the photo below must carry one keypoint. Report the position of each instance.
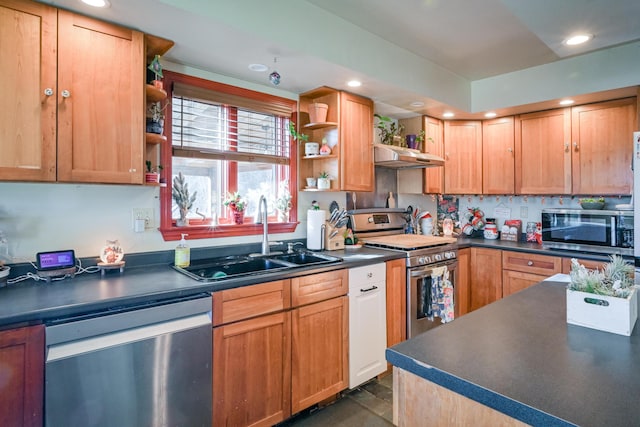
(227, 140)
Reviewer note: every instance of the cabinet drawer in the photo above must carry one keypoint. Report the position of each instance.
(319, 287)
(369, 274)
(531, 263)
(588, 263)
(232, 305)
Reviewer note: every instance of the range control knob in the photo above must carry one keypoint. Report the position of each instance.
(438, 257)
(447, 255)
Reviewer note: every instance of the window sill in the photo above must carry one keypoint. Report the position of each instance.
(208, 231)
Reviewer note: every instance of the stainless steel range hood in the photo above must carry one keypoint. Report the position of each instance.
(394, 157)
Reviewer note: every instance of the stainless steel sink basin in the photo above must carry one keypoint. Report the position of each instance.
(305, 258)
(235, 266)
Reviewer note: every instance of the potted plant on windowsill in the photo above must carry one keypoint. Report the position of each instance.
(184, 200)
(603, 299)
(237, 204)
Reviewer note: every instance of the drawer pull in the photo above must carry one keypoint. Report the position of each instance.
(529, 263)
(373, 288)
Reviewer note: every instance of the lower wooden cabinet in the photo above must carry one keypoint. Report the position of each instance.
(521, 270)
(588, 263)
(486, 277)
(462, 291)
(319, 363)
(22, 376)
(272, 358)
(251, 371)
(396, 295)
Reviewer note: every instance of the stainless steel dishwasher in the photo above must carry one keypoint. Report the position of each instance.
(146, 365)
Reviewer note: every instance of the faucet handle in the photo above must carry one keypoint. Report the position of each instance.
(291, 245)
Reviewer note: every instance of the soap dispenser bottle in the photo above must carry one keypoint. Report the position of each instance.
(183, 253)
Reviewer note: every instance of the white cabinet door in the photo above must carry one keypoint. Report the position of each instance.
(367, 323)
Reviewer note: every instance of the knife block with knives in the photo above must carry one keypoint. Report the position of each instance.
(335, 229)
(334, 237)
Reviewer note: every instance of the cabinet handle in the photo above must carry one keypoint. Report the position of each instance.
(373, 288)
(566, 147)
(48, 91)
(66, 94)
(132, 170)
(446, 156)
(369, 275)
(575, 146)
(529, 263)
(510, 150)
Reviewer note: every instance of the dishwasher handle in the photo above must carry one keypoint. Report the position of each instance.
(96, 343)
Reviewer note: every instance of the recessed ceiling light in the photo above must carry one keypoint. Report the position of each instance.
(490, 114)
(97, 3)
(567, 102)
(258, 67)
(578, 39)
(448, 114)
(354, 83)
(417, 104)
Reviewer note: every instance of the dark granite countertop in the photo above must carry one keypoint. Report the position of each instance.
(520, 357)
(34, 302)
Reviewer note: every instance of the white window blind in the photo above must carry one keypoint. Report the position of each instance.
(214, 125)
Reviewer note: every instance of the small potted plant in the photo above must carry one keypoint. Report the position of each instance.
(237, 204)
(283, 202)
(310, 148)
(155, 117)
(390, 131)
(152, 175)
(324, 182)
(183, 199)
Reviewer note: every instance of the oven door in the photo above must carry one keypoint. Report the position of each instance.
(419, 282)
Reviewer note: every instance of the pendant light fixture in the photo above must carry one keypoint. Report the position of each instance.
(274, 77)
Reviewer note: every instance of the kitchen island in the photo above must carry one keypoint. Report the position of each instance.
(515, 362)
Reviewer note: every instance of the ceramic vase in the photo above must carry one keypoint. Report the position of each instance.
(238, 217)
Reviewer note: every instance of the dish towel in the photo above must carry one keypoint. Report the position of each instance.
(440, 296)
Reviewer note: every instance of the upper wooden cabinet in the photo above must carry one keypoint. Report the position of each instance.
(433, 144)
(348, 130)
(77, 93)
(601, 147)
(498, 157)
(28, 62)
(463, 158)
(543, 156)
(100, 101)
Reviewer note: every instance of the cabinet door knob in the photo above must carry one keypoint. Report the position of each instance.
(529, 263)
(566, 147)
(48, 91)
(66, 94)
(575, 146)
(510, 150)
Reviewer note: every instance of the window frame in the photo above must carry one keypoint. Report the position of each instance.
(201, 229)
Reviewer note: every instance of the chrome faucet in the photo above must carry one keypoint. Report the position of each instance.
(262, 218)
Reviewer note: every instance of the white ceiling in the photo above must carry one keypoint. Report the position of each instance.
(403, 51)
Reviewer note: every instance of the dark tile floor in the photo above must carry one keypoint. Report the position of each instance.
(369, 405)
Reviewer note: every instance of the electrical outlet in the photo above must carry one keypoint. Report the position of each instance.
(143, 213)
(524, 211)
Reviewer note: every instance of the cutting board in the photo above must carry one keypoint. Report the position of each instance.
(409, 241)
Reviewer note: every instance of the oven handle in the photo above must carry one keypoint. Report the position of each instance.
(420, 271)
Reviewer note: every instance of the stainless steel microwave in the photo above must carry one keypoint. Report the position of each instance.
(601, 231)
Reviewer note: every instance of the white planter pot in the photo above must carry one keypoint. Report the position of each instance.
(609, 314)
(324, 183)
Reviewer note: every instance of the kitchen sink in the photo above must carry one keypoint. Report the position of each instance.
(235, 266)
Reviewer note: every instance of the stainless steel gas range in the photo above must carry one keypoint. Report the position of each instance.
(431, 262)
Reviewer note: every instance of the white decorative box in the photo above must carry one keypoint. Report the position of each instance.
(605, 313)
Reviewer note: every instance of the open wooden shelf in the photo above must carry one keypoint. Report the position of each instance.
(320, 125)
(154, 94)
(154, 138)
(320, 157)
